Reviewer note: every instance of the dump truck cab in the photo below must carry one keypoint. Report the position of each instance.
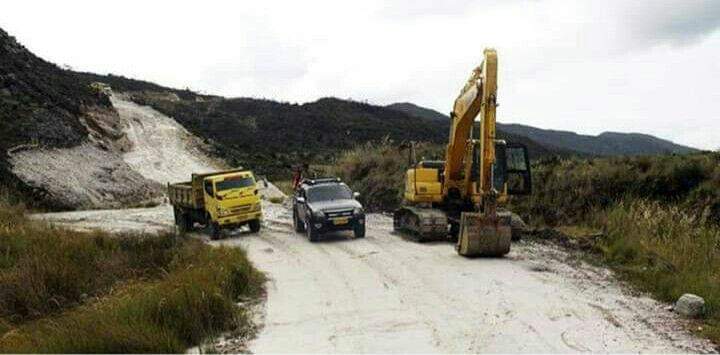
(218, 200)
(232, 198)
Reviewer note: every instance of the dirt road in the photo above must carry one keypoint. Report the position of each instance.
(386, 294)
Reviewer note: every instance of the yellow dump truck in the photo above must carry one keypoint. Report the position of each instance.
(219, 200)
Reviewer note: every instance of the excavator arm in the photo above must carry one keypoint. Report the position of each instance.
(477, 97)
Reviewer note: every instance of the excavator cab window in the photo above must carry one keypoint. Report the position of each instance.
(517, 165)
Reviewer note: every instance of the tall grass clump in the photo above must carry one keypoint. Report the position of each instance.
(71, 292)
(665, 251)
(195, 301)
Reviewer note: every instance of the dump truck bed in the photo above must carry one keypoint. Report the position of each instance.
(183, 195)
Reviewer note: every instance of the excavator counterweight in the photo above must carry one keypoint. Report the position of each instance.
(458, 198)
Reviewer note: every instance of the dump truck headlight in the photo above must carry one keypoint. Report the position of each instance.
(222, 212)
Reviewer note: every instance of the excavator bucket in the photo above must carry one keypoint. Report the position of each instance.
(483, 235)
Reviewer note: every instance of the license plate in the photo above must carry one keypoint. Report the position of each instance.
(338, 221)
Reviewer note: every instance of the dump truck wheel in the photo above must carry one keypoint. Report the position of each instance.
(297, 224)
(214, 231)
(359, 231)
(182, 222)
(255, 225)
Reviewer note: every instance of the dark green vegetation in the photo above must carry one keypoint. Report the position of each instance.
(71, 292)
(658, 217)
(567, 190)
(605, 144)
(40, 102)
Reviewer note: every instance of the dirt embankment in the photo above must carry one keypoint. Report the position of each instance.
(128, 157)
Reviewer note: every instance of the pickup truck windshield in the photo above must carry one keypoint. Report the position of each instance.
(234, 183)
(328, 192)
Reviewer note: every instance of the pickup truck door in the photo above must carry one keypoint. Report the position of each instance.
(301, 204)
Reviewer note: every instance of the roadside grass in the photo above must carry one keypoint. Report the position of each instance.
(666, 252)
(70, 292)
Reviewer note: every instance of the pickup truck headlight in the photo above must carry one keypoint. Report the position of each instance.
(318, 214)
(358, 211)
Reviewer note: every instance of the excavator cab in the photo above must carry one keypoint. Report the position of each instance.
(511, 171)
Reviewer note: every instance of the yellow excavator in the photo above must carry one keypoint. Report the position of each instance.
(457, 199)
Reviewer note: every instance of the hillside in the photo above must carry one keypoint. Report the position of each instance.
(604, 144)
(61, 141)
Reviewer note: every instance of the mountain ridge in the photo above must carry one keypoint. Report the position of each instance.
(604, 144)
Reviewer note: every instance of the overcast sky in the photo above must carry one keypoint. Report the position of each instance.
(642, 66)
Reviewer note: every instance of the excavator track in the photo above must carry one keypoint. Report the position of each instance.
(421, 224)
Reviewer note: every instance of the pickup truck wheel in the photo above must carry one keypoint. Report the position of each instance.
(254, 225)
(297, 224)
(359, 230)
(312, 234)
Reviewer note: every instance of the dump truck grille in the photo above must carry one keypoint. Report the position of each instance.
(241, 209)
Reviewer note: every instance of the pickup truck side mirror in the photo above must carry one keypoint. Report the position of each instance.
(356, 195)
(300, 199)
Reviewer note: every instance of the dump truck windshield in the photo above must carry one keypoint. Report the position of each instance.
(234, 182)
(328, 192)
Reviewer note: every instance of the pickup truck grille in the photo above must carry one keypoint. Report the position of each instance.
(343, 213)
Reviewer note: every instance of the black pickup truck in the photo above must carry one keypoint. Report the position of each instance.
(324, 205)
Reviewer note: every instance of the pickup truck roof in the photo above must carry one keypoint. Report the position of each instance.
(325, 180)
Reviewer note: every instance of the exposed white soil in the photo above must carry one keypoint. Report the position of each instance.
(162, 150)
(386, 294)
(84, 177)
(126, 160)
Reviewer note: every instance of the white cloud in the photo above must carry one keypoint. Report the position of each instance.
(647, 66)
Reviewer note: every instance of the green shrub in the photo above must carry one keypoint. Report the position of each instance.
(569, 190)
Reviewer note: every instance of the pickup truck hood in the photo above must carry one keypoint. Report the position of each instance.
(333, 205)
